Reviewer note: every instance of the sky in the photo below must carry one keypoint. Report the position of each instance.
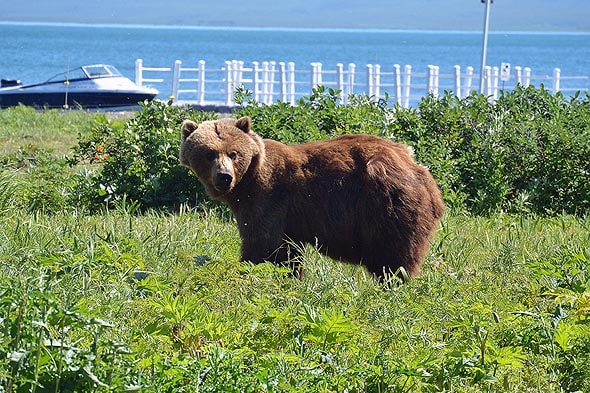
(515, 15)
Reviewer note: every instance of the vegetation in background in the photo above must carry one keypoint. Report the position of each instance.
(138, 160)
(527, 152)
(102, 290)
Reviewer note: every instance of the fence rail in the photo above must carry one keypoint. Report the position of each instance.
(270, 81)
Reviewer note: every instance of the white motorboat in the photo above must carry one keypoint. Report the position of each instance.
(90, 86)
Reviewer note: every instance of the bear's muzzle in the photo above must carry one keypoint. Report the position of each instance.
(223, 181)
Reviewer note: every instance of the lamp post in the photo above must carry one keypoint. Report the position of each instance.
(484, 47)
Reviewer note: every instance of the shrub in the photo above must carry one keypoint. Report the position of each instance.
(527, 152)
(316, 117)
(138, 159)
(49, 347)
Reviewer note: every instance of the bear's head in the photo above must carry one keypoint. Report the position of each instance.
(221, 152)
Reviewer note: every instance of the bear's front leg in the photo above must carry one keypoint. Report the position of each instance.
(268, 247)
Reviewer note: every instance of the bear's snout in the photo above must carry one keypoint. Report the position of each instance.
(223, 181)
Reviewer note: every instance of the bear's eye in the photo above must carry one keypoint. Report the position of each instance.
(210, 155)
(233, 155)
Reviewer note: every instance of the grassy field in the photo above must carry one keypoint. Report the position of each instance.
(122, 301)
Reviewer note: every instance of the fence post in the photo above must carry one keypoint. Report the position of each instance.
(407, 81)
(432, 86)
(436, 79)
(457, 69)
(176, 79)
(271, 82)
(201, 86)
(139, 72)
(316, 74)
(319, 76)
(256, 80)
(369, 80)
(518, 73)
(556, 80)
(291, 66)
(283, 79)
(351, 72)
(264, 81)
(340, 81)
(468, 81)
(495, 79)
(228, 82)
(429, 79)
(240, 75)
(234, 74)
(397, 83)
(377, 81)
(487, 75)
(527, 77)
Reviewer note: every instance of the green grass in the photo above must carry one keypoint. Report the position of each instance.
(158, 302)
(52, 130)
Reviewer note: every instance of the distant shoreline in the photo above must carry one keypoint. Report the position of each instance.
(279, 29)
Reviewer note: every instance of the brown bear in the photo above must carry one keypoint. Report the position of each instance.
(357, 198)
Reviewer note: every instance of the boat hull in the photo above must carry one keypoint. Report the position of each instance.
(90, 86)
(75, 99)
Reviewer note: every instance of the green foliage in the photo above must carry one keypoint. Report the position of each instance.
(316, 117)
(46, 346)
(527, 152)
(48, 184)
(138, 160)
(560, 331)
(160, 303)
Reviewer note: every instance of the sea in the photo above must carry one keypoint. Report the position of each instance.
(34, 52)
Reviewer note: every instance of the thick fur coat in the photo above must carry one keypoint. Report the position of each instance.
(357, 198)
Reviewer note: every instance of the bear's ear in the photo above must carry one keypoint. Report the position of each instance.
(188, 127)
(244, 124)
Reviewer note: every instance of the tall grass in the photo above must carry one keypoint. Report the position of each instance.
(141, 300)
(8, 189)
(54, 130)
(160, 302)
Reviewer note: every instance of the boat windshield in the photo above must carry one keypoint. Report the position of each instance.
(100, 71)
(87, 72)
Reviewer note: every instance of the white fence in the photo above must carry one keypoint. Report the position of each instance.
(272, 81)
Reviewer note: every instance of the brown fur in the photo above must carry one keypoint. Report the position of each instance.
(358, 198)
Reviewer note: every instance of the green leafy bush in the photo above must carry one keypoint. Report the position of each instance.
(48, 347)
(138, 160)
(527, 152)
(560, 332)
(316, 117)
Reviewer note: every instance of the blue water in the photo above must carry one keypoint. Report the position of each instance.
(35, 52)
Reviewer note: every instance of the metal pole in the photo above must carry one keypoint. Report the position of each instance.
(484, 47)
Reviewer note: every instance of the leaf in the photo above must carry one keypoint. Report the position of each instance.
(509, 357)
(562, 336)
